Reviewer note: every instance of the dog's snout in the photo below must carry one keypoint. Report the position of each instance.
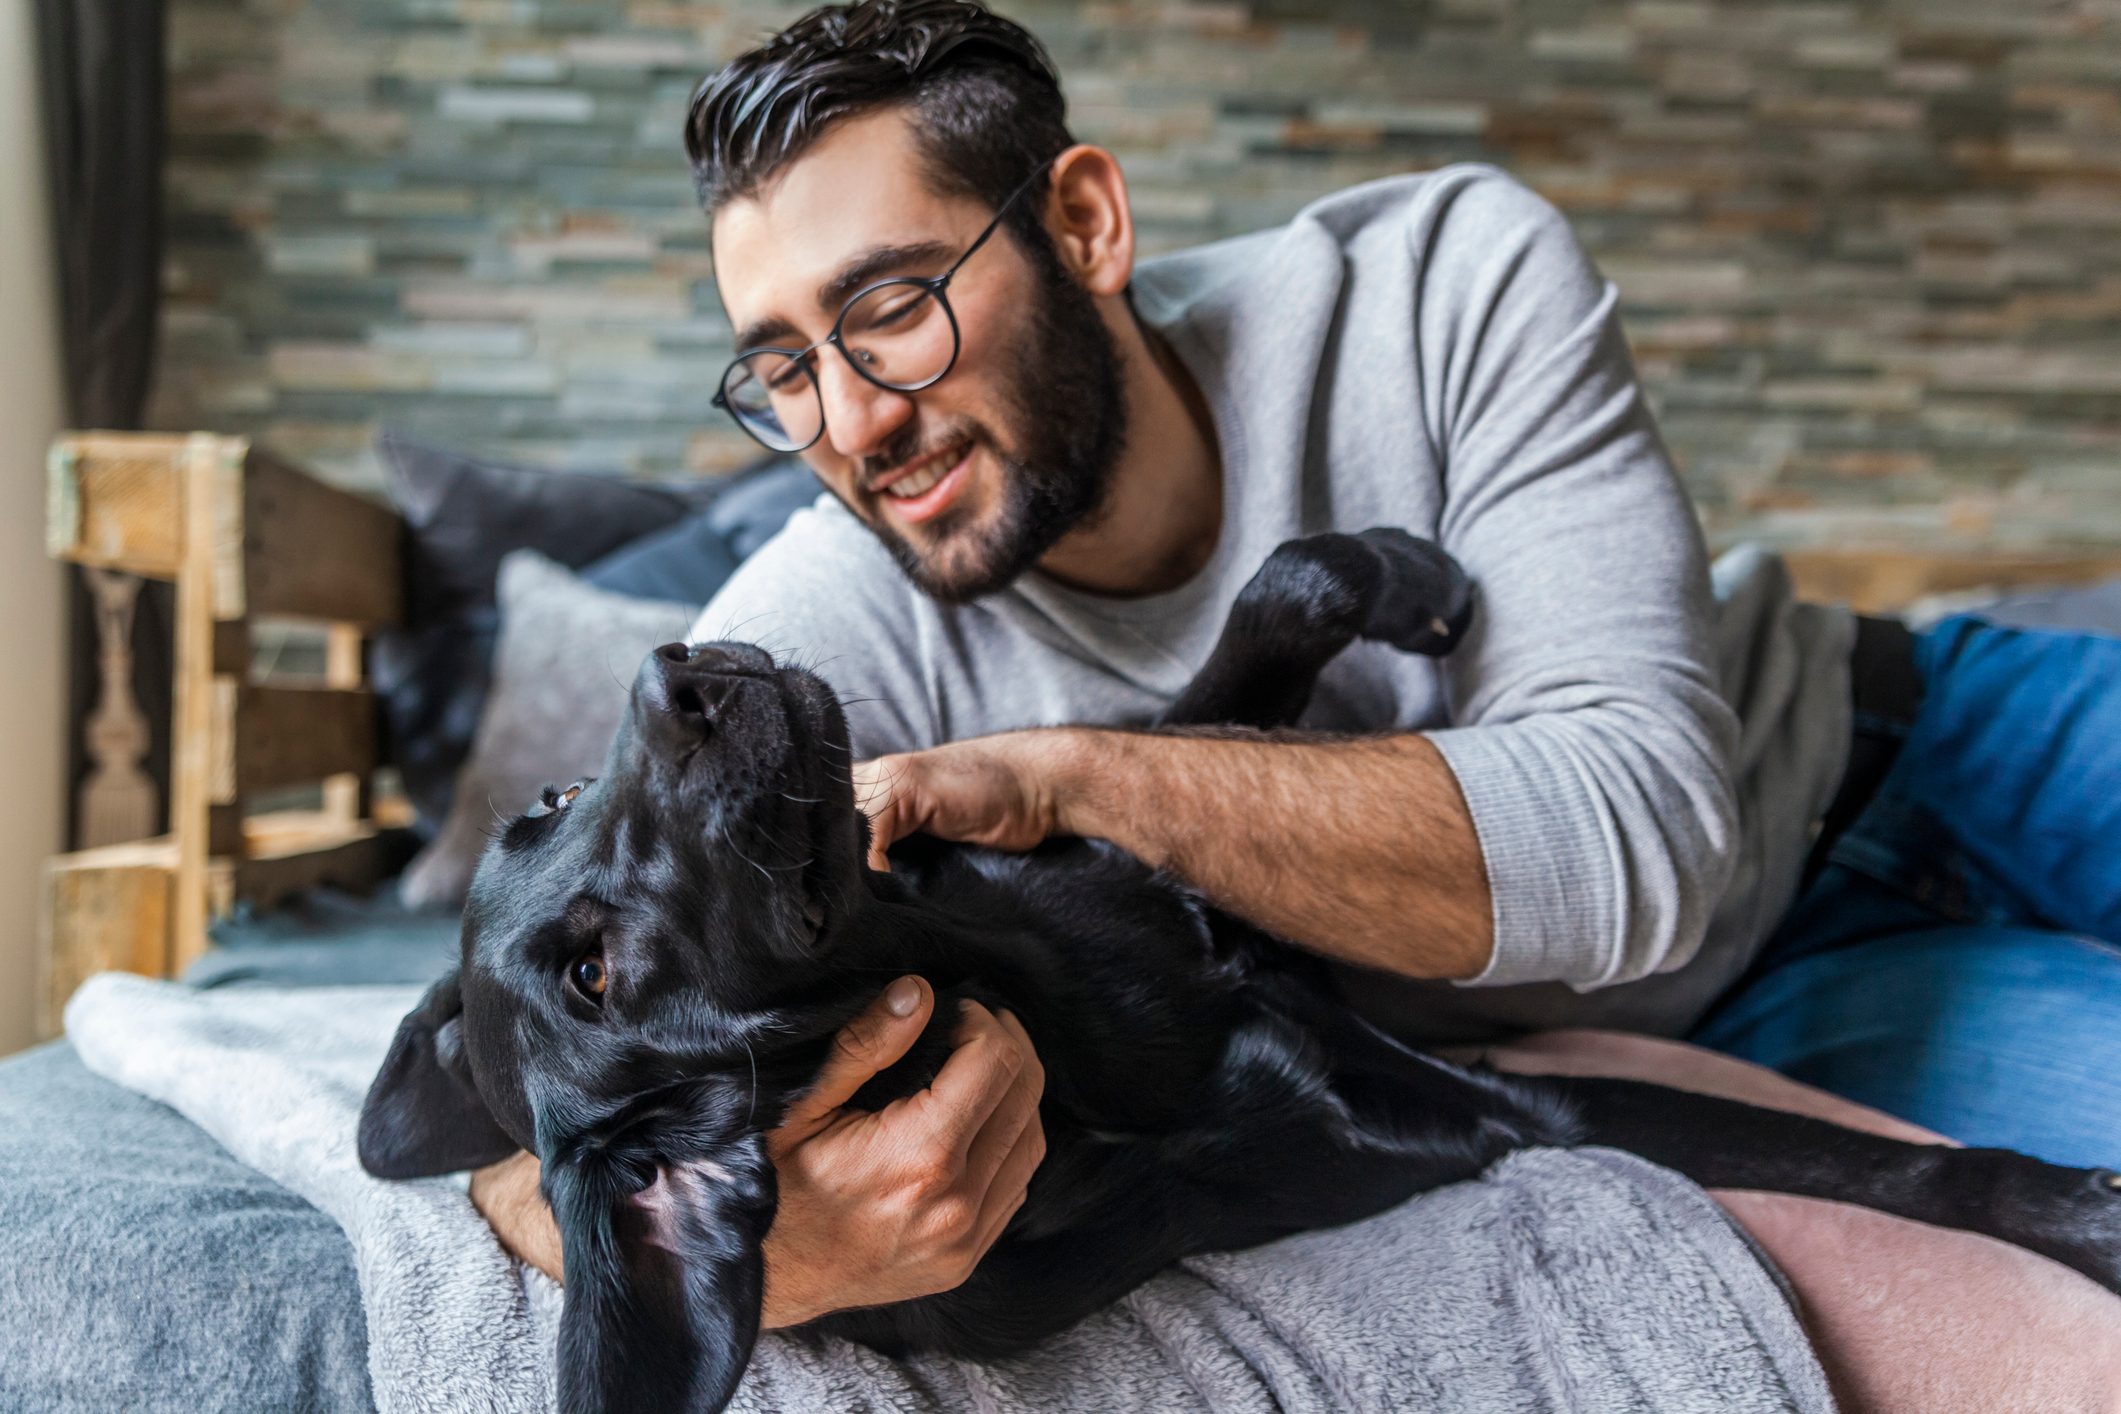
(714, 658)
(683, 687)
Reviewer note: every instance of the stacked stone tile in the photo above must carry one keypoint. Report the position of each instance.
(1870, 252)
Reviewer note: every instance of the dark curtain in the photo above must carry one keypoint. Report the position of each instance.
(102, 66)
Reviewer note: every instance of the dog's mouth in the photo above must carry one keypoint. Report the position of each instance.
(820, 788)
(797, 800)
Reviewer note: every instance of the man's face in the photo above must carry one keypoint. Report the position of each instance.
(969, 481)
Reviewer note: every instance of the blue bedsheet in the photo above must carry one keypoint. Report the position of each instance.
(141, 1267)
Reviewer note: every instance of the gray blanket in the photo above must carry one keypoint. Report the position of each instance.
(1563, 1281)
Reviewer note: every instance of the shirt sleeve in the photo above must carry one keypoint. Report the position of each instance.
(1589, 732)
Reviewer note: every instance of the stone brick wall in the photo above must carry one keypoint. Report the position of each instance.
(1870, 251)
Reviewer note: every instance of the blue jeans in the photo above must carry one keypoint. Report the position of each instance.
(1958, 961)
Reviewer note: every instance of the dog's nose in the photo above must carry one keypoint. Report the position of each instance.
(683, 687)
(681, 658)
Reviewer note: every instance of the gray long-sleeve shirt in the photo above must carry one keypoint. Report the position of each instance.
(1643, 760)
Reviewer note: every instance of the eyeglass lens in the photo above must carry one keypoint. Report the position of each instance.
(897, 335)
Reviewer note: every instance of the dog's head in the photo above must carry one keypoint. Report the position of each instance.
(647, 979)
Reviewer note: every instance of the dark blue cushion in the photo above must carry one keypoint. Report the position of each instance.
(463, 513)
(753, 510)
(684, 564)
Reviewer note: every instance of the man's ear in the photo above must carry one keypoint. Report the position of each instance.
(664, 1282)
(423, 1115)
(1090, 219)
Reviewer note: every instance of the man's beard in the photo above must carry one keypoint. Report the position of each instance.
(1069, 419)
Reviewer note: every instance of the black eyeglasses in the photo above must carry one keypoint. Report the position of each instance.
(899, 334)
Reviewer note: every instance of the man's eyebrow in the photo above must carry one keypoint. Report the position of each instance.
(870, 265)
(874, 264)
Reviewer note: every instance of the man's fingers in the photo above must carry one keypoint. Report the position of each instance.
(1006, 1019)
(975, 1079)
(1011, 1183)
(872, 782)
(998, 1136)
(878, 791)
(871, 1042)
(506, 1195)
(882, 835)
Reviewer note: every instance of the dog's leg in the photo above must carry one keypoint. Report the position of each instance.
(1311, 599)
(2070, 1215)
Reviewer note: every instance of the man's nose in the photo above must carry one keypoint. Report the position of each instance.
(682, 688)
(859, 416)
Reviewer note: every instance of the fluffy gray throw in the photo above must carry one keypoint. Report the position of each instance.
(1564, 1281)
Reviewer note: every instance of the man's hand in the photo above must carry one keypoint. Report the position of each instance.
(507, 1195)
(904, 1202)
(997, 791)
(1335, 844)
(874, 1208)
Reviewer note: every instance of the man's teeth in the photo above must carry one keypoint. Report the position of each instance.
(913, 483)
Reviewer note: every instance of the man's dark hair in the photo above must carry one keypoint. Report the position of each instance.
(984, 98)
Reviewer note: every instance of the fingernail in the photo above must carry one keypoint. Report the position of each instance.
(902, 996)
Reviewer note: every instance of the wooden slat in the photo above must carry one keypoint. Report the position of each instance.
(104, 909)
(272, 833)
(113, 501)
(392, 812)
(1876, 581)
(314, 551)
(349, 857)
(285, 736)
(221, 779)
(212, 469)
(220, 556)
(347, 797)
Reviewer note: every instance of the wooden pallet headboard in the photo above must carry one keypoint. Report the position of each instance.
(245, 537)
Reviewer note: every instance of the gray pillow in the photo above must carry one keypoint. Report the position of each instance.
(566, 658)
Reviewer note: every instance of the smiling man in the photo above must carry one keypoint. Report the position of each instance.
(1052, 468)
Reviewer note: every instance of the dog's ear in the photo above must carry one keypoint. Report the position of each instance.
(423, 1115)
(664, 1282)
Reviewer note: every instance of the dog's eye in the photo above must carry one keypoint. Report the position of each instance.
(560, 799)
(587, 974)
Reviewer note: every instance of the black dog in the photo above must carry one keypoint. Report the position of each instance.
(655, 963)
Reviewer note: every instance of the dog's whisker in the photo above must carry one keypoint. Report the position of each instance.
(769, 870)
(730, 631)
(751, 1113)
(763, 870)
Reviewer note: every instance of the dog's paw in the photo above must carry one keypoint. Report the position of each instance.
(2096, 1241)
(2071, 1215)
(1423, 601)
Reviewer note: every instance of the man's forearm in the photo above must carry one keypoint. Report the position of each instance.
(1361, 849)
